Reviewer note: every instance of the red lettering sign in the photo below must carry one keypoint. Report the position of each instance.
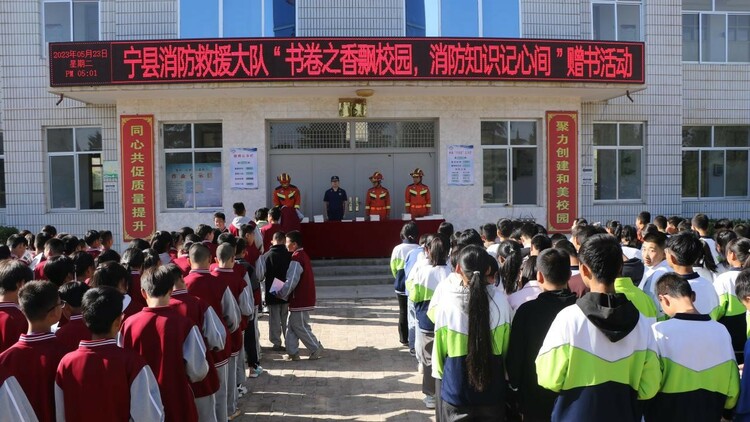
(280, 59)
(137, 164)
(562, 174)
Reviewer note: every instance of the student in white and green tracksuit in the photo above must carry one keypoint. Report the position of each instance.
(699, 374)
(599, 354)
(422, 286)
(731, 310)
(472, 327)
(409, 236)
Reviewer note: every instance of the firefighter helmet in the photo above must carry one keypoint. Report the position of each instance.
(376, 177)
(284, 178)
(417, 173)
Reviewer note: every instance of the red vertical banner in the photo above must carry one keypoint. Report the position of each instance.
(137, 164)
(562, 173)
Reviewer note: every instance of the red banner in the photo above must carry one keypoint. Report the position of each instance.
(137, 163)
(316, 59)
(562, 173)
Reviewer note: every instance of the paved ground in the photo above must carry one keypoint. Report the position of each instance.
(365, 375)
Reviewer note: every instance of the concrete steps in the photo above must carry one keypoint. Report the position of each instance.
(352, 272)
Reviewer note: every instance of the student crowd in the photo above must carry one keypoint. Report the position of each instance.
(166, 331)
(608, 323)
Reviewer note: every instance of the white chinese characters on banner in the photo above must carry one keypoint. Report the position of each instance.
(460, 165)
(244, 168)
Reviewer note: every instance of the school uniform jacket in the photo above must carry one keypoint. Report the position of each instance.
(425, 281)
(212, 330)
(398, 263)
(600, 356)
(33, 361)
(13, 402)
(706, 299)
(172, 346)
(243, 296)
(71, 334)
(648, 284)
(134, 289)
(699, 374)
(299, 287)
(100, 366)
(267, 232)
(530, 325)
(451, 346)
(732, 313)
(12, 324)
(216, 293)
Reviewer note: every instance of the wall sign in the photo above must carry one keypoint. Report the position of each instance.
(460, 165)
(137, 161)
(315, 59)
(243, 168)
(562, 174)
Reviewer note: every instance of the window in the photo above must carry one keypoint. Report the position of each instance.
(71, 20)
(714, 161)
(192, 154)
(617, 20)
(237, 18)
(618, 152)
(2, 172)
(716, 31)
(477, 18)
(415, 18)
(75, 168)
(509, 152)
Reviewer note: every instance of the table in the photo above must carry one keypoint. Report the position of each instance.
(357, 239)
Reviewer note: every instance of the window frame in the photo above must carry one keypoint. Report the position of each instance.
(76, 168)
(713, 11)
(617, 147)
(264, 30)
(713, 148)
(615, 3)
(43, 22)
(509, 163)
(192, 150)
(480, 19)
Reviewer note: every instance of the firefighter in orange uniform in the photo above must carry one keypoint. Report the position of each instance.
(378, 200)
(417, 196)
(286, 195)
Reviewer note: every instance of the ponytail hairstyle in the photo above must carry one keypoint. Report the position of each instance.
(723, 237)
(410, 233)
(629, 237)
(741, 249)
(614, 228)
(475, 262)
(707, 259)
(528, 270)
(438, 248)
(510, 268)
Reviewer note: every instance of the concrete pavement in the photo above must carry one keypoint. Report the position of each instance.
(365, 374)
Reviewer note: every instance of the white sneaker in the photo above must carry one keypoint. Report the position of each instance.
(241, 390)
(429, 402)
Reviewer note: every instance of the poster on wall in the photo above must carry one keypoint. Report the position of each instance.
(244, 168)
(193, 186)
(137, 161)
(562, 174)
(460, 165)
(110, 176)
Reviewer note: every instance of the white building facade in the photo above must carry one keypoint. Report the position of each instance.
(675, 145)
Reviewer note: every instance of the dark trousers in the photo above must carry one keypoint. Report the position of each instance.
(251, 349)
(403, 322)
(446, 412)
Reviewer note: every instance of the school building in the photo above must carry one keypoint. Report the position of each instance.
(133, 115)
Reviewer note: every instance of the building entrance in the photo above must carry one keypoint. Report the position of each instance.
(312, 152)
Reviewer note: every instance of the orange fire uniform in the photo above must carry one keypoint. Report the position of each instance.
(417, 200)
(287, 196)
(378, 202)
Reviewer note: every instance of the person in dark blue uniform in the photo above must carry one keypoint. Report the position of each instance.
(334, 201)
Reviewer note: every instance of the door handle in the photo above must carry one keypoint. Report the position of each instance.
(356, 203)
(351, 205)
